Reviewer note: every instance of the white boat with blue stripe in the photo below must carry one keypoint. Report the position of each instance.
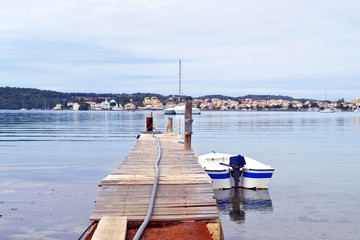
(253, 174)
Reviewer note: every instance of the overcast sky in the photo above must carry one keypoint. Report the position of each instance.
(299, 48)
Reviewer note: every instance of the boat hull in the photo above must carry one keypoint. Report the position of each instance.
(180, 110)
(221, 179)
(169, 112)
(195, 111)
(252, 178)
(327, 111)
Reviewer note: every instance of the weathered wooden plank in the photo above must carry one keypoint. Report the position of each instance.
(161, 193)
(161, 187)
(159, 209)
(165, 204)
(207, 217)
(111, 228)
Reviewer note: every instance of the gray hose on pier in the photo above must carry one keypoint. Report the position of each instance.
(152, 199)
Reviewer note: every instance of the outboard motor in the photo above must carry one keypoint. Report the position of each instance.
(236, 162)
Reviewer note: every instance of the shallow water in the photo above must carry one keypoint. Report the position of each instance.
(51, 163)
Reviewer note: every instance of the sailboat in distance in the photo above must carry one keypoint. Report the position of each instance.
(327, 109)
(180, 108)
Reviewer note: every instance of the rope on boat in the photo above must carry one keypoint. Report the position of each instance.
(153, 194)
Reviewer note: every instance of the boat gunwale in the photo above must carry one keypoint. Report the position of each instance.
(259, 170)
(220, 170)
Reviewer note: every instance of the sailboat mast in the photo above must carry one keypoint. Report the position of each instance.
(179, 80)
(325, 95)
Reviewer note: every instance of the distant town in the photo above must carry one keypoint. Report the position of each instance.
(153, 103)
(12, 98)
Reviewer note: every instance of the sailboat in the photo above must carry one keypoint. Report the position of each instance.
(180, 109)
(327, 109)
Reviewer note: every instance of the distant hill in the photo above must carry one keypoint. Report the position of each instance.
(222, 97)
(257, 97)
(277, 97)
(16, 98)
(268, 97)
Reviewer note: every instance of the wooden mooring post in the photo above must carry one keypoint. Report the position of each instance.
(149, 124)
(188, 125)
(170, 125)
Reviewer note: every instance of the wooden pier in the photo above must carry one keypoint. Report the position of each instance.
(184, 193)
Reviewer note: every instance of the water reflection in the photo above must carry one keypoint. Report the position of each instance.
(236, 203)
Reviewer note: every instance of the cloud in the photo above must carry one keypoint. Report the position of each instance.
(126, 43)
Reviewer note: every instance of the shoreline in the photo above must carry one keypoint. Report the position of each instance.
(159, 110)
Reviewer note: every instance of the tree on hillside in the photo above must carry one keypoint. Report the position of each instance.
(84, 106)
(314, 105)
(305, 106)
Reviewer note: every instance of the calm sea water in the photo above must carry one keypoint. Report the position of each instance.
(51, 163)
